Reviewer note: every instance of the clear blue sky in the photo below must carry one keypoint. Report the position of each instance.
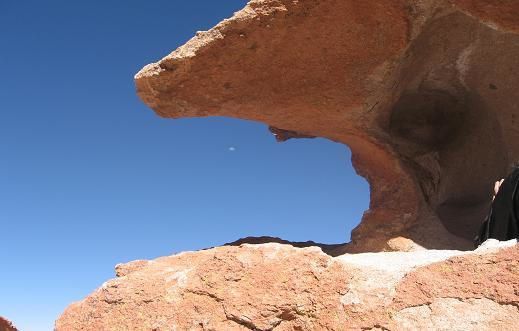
(90, 177)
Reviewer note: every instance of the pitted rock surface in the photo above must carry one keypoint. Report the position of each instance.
(279, 287)
(423, 92)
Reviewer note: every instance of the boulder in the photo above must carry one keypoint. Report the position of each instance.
(276, 286)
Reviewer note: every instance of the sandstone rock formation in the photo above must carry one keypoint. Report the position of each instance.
(5, 325)
(424, 92)
(279, 287)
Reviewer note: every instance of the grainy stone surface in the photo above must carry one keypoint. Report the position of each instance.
(499, 14)
(275, 286)
(423, 92)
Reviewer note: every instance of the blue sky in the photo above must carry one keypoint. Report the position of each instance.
(90, 177)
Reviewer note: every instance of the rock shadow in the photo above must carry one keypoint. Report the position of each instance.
(329, 249)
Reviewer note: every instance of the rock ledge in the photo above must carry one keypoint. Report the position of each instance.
(423, 92)
(275, 286)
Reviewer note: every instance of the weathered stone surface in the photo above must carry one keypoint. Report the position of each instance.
(5, 325)
(454, 314)
(499, 14)
(274, 286)
(465, 277)
(423, 92)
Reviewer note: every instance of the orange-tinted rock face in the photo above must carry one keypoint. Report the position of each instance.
(5, 325)
(273, 286)
(423, 92)
(493, 276)
(501, 14)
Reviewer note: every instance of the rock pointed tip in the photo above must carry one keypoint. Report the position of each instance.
(6, 325)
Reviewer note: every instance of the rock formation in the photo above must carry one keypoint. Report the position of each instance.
(423, 92)
(5, 325)
(279, 287)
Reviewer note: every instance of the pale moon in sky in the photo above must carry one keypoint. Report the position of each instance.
(232, 149)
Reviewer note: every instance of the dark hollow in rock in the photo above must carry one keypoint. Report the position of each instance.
(426, 121)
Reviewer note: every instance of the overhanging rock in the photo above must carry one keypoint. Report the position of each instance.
(423, 92)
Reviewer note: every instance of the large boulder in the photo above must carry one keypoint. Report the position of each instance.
(423, 92)
(274, 286)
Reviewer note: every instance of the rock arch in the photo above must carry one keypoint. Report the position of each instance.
(423, 92)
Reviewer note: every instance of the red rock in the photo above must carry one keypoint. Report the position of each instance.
(494, 277)
(224, 288)
(501, 14)
(5, 325)
(423, 92)
(425, 95)
(274, 286)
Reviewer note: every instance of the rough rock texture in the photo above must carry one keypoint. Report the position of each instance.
(279, 287)
(424, 92)
(5, 325)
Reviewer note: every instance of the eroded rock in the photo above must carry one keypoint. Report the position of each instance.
(275, 286)
(423, 92)
(6, 325)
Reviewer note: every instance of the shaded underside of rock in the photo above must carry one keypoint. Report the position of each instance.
(274, 286)
(330, 249)
(423, 92)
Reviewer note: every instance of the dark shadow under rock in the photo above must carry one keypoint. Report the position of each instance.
(330, 249)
